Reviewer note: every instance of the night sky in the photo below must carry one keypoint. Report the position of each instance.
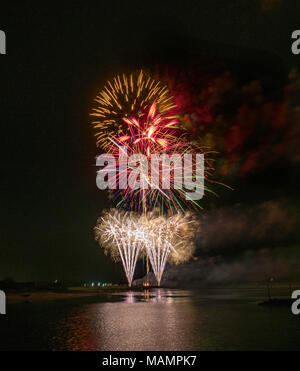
(57, 59)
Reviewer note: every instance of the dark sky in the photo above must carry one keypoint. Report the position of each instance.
(57, 58)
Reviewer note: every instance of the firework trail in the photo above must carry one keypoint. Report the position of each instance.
(119, 234)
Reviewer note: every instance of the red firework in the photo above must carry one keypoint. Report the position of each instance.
(149, 133)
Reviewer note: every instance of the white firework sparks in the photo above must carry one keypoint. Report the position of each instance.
(120, 236)
(158, 249)
(124, 235)
(169, 239)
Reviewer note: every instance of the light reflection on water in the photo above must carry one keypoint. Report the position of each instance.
(139, 321)
(157, 319)
(161, 296)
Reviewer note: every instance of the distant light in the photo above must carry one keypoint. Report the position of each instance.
(99, 283)
(93, 284)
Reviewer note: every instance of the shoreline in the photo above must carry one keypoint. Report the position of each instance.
(39, 295)
(35, 296)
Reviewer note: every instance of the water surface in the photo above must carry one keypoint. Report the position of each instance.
(215, 319)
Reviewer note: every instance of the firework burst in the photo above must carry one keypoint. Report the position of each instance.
(123, 97)
(152, 134)
(135, 113)
(149, 132)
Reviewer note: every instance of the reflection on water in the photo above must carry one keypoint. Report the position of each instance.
(151, 323)
(156, 324)
(161, 296)
(152, 320)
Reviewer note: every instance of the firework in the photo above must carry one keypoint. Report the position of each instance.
(135, 116)
(141, 185)
(149, 132)
(120, 236)
(168, 238)
(123, 97)
(125, 235)
(185, 227)
(154, 136)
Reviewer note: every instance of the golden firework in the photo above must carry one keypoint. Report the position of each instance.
(124, 96)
